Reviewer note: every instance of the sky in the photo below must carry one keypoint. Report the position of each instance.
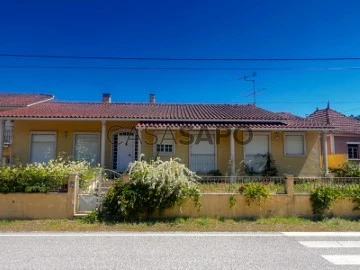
(185, 29)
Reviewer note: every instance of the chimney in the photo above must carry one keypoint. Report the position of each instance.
(151, 98)
(106, 98)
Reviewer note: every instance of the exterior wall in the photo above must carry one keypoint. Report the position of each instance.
(340, 143)
(309, 164)
(217, 205)
(35, 206)
(64, 130)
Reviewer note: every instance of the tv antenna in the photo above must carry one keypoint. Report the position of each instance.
(254, 91)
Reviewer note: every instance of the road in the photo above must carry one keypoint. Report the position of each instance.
(112, 250)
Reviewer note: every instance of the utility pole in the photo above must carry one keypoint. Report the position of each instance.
(254, 91)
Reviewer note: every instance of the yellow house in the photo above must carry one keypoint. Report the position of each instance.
(10, 101)
(206, 137)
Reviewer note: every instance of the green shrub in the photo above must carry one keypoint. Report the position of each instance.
(254, 192)
(43, 177)
(153, 187)
(323, 197)
(348, 169)
(91, 218)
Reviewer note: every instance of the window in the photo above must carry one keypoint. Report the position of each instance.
(202, 153)
(353, 151)
(164, 148)
(42, 147)
(87, 148)
(294, 144)
(164, 143)
(256, 151)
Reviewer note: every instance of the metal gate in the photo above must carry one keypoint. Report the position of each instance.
(89, 198)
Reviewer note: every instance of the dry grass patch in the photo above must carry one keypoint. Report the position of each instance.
(185, 224)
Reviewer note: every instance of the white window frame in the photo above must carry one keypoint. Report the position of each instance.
(42, 133)
(303, 134)
(168, 140)
(213, 134)
(87, 133)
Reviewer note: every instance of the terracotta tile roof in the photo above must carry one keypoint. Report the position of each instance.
(341, 123)
(290, 116)
(220, 115)
(287, 124)
(144, 111)
(20, 100)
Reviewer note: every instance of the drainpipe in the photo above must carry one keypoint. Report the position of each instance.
(324, 153)
(232, 152)
(103, 137)
(2, 130)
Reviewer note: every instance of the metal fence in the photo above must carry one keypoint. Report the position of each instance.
(222, 184)
(308, 184)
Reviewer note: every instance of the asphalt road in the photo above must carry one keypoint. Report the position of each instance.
(179, 251)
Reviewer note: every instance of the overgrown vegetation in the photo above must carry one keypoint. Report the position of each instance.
(43, 177)
(153, 187)
(348, 169)
(186, 224)
(254, 192)
(323, 197)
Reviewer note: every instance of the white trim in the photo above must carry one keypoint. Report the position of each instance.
(116, 132)
(352, 142)
(39, 102)
(42, 133)
(303, 134)
(332, 144)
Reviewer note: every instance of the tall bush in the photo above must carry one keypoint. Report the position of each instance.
(153, 187)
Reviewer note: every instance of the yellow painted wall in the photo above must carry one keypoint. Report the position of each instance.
(307, 165)
(217, 205)
(35, 206)
(65, 130)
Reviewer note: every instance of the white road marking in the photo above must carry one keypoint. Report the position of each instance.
(331, 244)
(139, 234)
(343, 259)
(321, 234)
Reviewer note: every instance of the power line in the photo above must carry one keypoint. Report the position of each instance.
(180, 68)
(177, 58)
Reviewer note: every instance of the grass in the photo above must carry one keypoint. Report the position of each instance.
(186, 224)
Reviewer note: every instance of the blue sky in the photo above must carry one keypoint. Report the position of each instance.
(186, 29)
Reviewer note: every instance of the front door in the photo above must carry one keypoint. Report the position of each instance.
(125, 151)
